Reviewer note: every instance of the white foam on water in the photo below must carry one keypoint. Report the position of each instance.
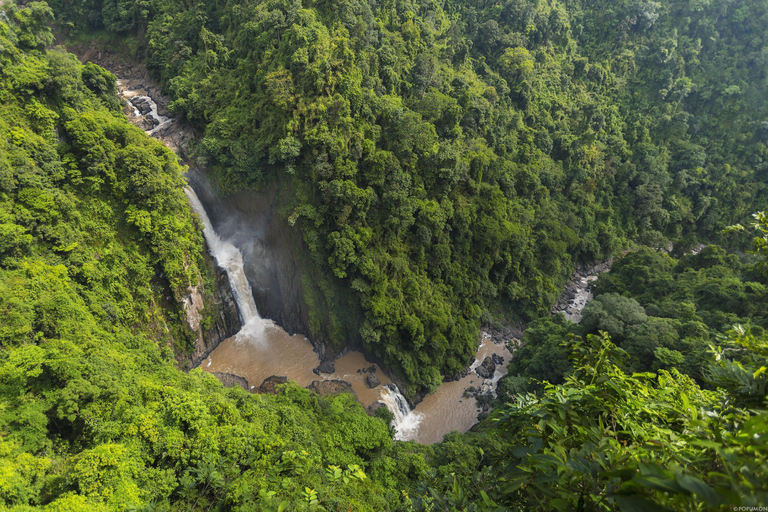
(406, 422)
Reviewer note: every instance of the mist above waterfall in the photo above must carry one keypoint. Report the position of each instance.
(244, 229)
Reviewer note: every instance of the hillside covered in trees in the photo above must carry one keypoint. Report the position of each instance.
(451, 163)
(93, 413)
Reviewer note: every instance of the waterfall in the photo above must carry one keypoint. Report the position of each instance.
(230, 259)
(406, 422)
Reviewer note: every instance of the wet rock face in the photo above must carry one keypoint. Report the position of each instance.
(330, 387)
(505, 334)
(269, 386)
(278, 265)
(372, 380)
(231, 381)
(577, 291)
(227, 321)
(325, 367)
(486, 369)
(221, 304)
(142, 105)
(497, 359)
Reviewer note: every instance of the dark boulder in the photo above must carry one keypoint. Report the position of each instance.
(230, 381)
(270, 384)
(142, 105)
(486, 368)
(330, 387)
(372, 380)
(496, 358)
(325, 367)
(145, 123)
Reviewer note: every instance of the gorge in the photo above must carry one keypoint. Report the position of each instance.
(263, 349)
(275, 259)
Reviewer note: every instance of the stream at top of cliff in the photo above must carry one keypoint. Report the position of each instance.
(263, 349)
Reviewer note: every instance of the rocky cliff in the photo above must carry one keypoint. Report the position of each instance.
(277, 263)
(211, 316)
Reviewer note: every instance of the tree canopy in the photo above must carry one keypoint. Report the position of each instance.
(450, 164)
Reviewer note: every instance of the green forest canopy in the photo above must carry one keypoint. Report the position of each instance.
(664, 312)
(95, 232)
(453, 161)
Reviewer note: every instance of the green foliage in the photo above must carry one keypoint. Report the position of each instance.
(541, 357)
(98, 249)
(760, 241)
(741, 368)
(608, 440)
(665, 312)
(449, 160)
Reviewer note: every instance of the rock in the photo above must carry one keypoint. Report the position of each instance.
(230, 381)
(375, 406)
(371, 369)
(372, 380)
(486, 368)
(269, 386)
(325, 367)
(221, 303)
(496, 358)
(145, 123)
(142, 105)
(330, 387)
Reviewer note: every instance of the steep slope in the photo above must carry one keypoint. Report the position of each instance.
(99, 253)
(448, 164)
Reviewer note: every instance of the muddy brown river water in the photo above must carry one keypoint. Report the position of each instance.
(265, 349)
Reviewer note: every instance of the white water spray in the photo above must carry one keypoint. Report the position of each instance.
(406, 422)
(230, 259)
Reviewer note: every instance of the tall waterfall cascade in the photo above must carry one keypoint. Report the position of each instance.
(229, 258)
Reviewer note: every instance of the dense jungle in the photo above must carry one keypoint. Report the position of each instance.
(446, 167)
